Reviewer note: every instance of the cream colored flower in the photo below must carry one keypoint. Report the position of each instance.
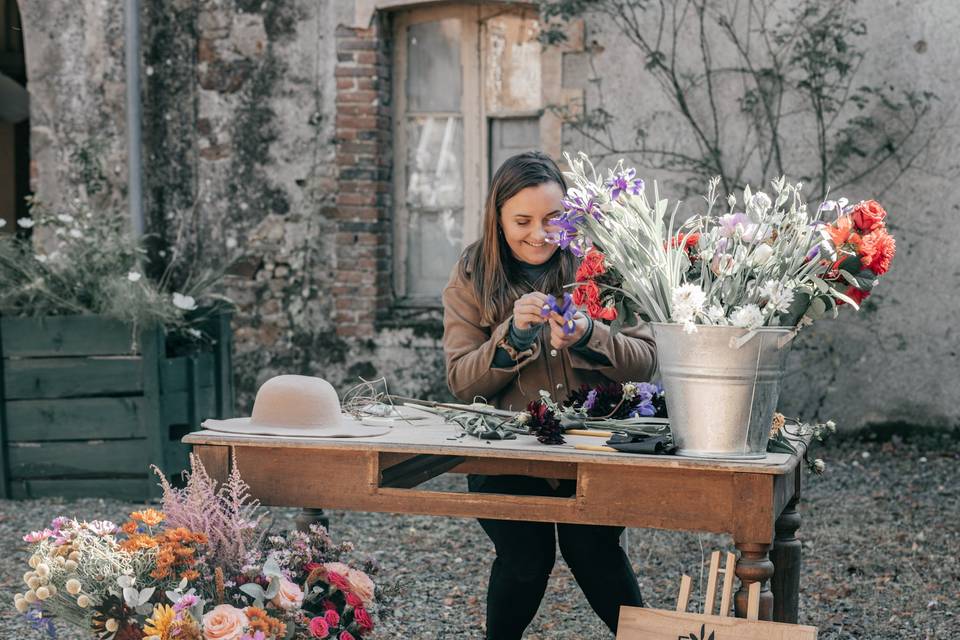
(290, 596)
(73, 586)
(43, 593)
(224, 622)
(83, 601)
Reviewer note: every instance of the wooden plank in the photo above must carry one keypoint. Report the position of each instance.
(435, 437)
(4, 464)
(133, 489)
(58, 336)
(216, 461)
(36, 378)
(512, 467)
(75, 419)
(173, 374)
(656, 624)
(729, 571)
(712, 583)
(219, 328)
(95, 457)
(153, 346)
(683, 598)
(416, 470)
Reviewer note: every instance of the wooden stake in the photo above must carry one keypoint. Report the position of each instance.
(728, 574)
(684, 598)
(712, 583)
(753, 601)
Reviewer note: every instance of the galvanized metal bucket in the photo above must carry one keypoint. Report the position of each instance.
(721, 398)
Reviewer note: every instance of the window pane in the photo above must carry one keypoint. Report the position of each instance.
(434, 163)
(433, 66)
(435, 243)
(509, 136)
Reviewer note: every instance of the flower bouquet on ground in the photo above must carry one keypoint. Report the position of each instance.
(204, 567)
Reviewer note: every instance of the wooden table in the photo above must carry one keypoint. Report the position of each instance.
(753, 501)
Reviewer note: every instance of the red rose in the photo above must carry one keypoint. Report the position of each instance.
(586, 293)
(362, 618)
(591, 266)
(868, 215)
(346, 635)
(598, 312)
(332, 617)
(689, 241)
(877, 250)
(338, 580)
(608, 313)
(354, 601)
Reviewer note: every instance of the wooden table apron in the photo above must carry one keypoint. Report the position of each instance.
(753, 502)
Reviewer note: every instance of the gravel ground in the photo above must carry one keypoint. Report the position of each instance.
(881, 533)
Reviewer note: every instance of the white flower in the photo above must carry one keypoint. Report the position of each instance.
(747, 317)
(65, 218)
(778, 296)
(3, 223)
(134, 276)
(686, 303)
(716, 315)
(629, 390)
(76, 233)
(187, 303)
(731, 200)
(25, 223)
(818, 466)
(40, 258)
(761, 202)
(761, 254)
(689, 326)
(73, 586)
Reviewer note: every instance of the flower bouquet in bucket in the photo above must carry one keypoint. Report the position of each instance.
(725, 289)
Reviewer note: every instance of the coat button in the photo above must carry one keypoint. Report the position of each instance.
(553, 352)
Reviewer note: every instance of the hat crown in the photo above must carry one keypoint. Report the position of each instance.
(296, 401)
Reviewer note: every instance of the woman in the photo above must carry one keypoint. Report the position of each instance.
(498, 346)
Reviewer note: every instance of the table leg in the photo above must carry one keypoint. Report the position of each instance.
(307, 517)
(786, 557)
(754, 566)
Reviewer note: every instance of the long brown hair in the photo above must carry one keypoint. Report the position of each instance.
(488, 263)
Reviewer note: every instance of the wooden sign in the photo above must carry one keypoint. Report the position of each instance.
(658, 624)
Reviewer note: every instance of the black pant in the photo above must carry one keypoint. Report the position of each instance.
(526, 553)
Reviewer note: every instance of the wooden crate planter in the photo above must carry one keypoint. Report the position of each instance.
(80, 415)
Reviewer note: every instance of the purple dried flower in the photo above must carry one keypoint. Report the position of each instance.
(566, 309)
(591, 400)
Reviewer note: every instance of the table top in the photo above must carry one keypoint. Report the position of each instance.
(429, 434)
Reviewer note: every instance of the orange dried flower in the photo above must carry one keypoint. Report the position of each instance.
(149, 517)
(129, 527)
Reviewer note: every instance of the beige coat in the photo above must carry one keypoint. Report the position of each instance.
(469, 347)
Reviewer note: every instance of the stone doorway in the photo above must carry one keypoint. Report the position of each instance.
(14, 118)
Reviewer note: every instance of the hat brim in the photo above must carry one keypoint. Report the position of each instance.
(349, 427)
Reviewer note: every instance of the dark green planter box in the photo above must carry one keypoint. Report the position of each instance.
(83, 416)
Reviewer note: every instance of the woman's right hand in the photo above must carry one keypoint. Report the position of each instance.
(527, 310)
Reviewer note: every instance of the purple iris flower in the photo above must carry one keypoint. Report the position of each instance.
(626, 180)
(565, 309)
(578, 204)
(591, 400)
(813, 253)
(644, 409)
(561, 238)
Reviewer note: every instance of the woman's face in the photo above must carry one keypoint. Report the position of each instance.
(524, 219)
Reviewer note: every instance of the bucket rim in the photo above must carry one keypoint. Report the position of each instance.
(712, 327)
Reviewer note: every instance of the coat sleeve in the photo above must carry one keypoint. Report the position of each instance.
(469, 348)
(632, 353)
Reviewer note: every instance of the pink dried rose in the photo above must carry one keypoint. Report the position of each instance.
(319, 628)
(290, 597)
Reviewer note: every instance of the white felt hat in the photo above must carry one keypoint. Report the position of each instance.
(291, 405)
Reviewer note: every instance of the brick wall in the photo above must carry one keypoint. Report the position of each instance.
(362, 208)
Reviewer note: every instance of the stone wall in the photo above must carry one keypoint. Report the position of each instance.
(267, 141)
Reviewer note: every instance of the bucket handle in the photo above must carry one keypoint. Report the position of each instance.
(782, 341)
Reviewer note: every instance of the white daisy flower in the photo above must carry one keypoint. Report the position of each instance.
(715, 314)
(25, 223)
(187, 303)
(687, 302)
(778, 296)
(748, 317)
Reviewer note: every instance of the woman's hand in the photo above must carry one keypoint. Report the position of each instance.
(527, 308)
(560, 340)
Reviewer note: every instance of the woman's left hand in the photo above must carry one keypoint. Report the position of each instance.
(560, 340)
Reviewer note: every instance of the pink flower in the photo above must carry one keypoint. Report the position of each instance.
(185, 602)
(37, 536)
(346, 635)
(332, 617)
(361, 584)
(362, 618)
(354, 601)
(290, 597)
(319, 627)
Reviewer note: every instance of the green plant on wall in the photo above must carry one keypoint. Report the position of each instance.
(757, 88)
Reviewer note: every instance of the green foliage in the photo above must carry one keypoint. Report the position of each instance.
(751, 82)
(86, 262)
